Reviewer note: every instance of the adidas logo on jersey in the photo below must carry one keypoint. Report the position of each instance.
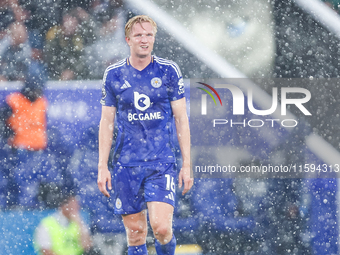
(170, 196)
(125, 85)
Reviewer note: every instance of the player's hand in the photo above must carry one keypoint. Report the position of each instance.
(184, 177)
(104, 176)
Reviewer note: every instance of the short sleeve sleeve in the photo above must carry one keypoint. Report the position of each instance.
(108, 97)
(176, 83)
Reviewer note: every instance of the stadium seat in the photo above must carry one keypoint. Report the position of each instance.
(26, 175)
(6, 178)
(102, 217)
(84, 174)
(215, 208)
(34, 168)
(185, 225)
(3, 189)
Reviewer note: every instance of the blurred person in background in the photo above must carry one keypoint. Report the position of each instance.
(64, 232)
(15, 59)
(8, 15)
(109, 48)
(24, 115)
(23, 127)
(70, 4)
(144, 162)
(20, 41)
(65, 43)
(40, 16)
(10, 11)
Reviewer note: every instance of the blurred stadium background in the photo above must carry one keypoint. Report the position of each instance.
(208, 39)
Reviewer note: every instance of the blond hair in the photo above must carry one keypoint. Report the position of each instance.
(139, 19)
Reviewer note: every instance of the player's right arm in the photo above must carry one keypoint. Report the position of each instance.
(105, 142)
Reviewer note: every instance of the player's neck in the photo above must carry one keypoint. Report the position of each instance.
(140, 63)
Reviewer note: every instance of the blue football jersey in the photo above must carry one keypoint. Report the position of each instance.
(144, 115)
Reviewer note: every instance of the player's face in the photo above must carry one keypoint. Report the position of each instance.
(141, 40)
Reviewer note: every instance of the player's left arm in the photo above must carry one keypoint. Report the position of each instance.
(183, 135)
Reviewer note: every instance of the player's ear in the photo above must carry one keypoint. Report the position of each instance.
(127, 39)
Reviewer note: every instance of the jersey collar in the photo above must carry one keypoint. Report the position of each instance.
(128, 62)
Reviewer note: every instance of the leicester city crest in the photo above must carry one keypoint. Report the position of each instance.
(118, 203)
(156, 82)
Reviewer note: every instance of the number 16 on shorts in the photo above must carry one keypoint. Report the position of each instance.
(170, 185)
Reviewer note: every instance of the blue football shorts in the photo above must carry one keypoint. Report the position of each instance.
(133, 187)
